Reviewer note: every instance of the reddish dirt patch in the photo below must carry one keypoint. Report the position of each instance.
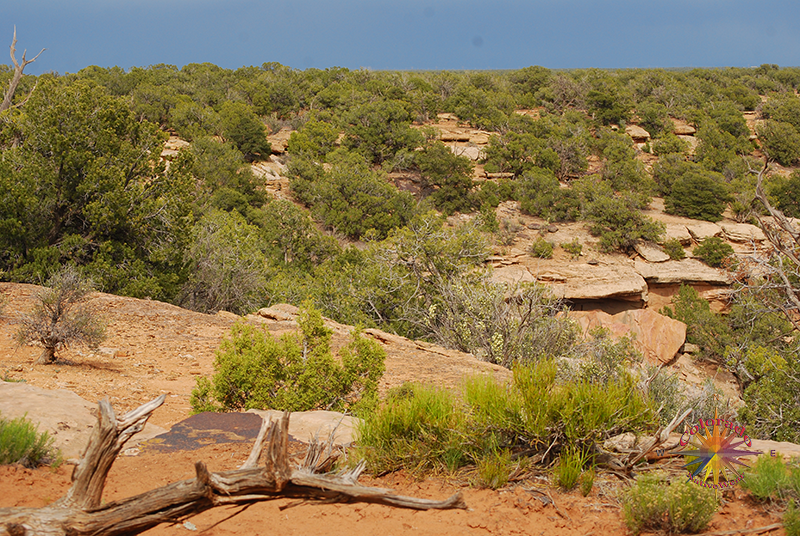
(156, 348)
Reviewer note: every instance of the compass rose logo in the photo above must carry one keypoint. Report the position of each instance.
(715, 453)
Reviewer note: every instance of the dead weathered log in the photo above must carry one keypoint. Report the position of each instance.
(80, 511)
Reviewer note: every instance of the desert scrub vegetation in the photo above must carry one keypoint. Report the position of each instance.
(774, 480)
(537, 415)
(296, 372)
(677, 506)
(713, 251)
(21, 443)
(61, 316)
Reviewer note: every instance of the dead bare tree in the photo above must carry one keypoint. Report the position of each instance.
(782, 270)
(18, 68)
(81, 512)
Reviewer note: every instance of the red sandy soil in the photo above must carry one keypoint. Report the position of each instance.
(157, 348)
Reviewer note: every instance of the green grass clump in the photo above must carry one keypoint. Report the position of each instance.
(769, 478)
(418, 428)
(421, 428)
(569, 468)
(21, 443)
(791, 520)
(674, 507)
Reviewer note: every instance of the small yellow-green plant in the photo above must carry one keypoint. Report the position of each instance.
(771, 478)
(494, 468)
(569, 468)
(21, 443)
(791, 520)
(541, 248)
(655, 504)
(587, 481)
(574, 248)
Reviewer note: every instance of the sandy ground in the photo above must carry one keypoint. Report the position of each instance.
(156, 348)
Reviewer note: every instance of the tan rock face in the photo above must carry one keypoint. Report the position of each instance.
(703, 229)
(657, 337)
(651, 253)
(742, 232)
(68, 418)
(637, 133)
(280, 140)
(679, 232)
(685, 271)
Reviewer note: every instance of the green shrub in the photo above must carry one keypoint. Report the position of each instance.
(675, 507)
(619, 224)
(669, 144)
(697, 195)
(541, 248)
(791, 520)
(770, 478)
(713, 251)
(416, 428)
(574, 248)
(21, 443)
(674, 249)
(780, 142)
(587, 481)
(703, 326)
(446, 177)
(421, 428)
(296, 372)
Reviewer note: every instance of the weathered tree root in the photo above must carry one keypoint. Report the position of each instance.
(80, 511)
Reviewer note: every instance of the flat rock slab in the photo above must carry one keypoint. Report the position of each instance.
(210, 428)
(685, 271)
(68, 418)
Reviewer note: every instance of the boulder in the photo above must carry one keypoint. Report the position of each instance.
(742, 232)
(304, 425)
(679, 232)
(68, 418)
(512, 274)
(650, 252)
(586, 281)
(479, 138)
(280, 140)
(683, 129)
(281, 312)
(473, 153)
(637, 133)
(454, 136)
(656, 336)
(685, 271)
(703, 229)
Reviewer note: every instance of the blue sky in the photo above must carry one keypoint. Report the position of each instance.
(407, 34)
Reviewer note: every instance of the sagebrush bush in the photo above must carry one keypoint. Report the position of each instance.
(21, 443)
(541, 248)
(713, 251)
(573, 247)
(674, 249)
(674, 507)
(296, 372)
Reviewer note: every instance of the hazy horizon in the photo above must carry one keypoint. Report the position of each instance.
(406, 36)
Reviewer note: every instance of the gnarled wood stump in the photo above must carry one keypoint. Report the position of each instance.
(80, 511)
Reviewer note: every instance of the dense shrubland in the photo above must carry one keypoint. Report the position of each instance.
(81, 184)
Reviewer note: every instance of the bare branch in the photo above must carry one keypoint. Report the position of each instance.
(18, 68)
(80, 512)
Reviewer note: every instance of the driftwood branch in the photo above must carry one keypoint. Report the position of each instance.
(80, 511)
(17, 76)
